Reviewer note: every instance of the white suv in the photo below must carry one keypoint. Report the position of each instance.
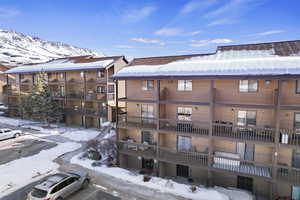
(6, 133)
(59, 186)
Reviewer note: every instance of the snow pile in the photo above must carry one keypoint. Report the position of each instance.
(81, 134)
(165, 185)
(243, 62)
(29, 169)
(60, 66)
(74, 134)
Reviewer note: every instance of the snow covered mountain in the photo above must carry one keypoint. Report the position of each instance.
(17, 48)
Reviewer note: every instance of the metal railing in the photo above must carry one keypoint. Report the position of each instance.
(137, 122)
(75, 95)
(244, 132)
(137, 148)
(288, 174)
(191, 127)
(184, 157)
(290, 137)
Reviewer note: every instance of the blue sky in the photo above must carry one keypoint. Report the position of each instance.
(139, 28)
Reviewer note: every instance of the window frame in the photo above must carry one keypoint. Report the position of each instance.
(246, 119)
(297, 90)
(145, 85)
(184, 114)
(294, 123)
(185, 88)
(102, 90)
(248, 84)
(100, 74)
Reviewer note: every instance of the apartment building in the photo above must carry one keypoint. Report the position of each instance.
(229, 118)
(3, 81)
(82, 85)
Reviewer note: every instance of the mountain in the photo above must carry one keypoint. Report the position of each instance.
(17, 48)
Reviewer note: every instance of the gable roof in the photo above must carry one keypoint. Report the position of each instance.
(68, 64)
(265, 59)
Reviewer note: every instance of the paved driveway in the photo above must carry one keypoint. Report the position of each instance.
(12, 149)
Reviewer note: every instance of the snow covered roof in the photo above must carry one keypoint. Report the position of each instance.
(268, 59)
(67, 64)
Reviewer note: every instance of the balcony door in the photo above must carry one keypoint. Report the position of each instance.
(246, 151)
(245, 183)
(184, 143)
(184, 119)
(246, 118)
(296, 159)
(182, 171)
(297, 122)
(147, 137)
(147, 114)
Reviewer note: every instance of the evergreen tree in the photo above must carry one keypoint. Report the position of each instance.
(39, 105)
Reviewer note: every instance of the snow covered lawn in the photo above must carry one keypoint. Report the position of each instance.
(74, 134)
(20, 172)
(164, 185)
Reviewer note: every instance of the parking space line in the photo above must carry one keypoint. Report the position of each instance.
(100, 186)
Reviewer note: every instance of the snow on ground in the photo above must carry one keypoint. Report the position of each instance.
(75, 134)
(29, 169)
(165, 185)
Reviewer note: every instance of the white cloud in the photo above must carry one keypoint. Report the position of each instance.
(201, 43)
(124, 47)
(196, 5)
(136, 15)
(168, 32)
(272, 32)
(9, 12)
(232, 11)
(147, 41)
(194, 33)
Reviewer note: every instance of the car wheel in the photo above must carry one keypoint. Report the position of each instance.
(17, 135)
(85, 184)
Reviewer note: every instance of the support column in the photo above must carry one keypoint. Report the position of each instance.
(211, 119)
(117, 121)
(65, 97)
(157, 125)
(276, 138)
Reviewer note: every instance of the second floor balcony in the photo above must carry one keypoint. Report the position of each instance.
(136, 122)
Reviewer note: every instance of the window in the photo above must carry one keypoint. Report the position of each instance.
(184, 114)
(101, 89)
(184, 143)
(147, 137)
(62, 75)
(298, 86)
(100, 74)
(147, 85)
(184, 85)
(246, 118)
(297, 122)
(81, 74)
(248, 85)
(147, 113)
(22, 76)
(62, 91)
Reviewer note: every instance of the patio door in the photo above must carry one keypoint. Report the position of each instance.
(147, 114)
(296, 159)
(184, 118)
(295, 193)
(246, 118)
(246, 151)
(184, 143)
(147, 137)
(297, 123)
(182, 171)
(245, 183)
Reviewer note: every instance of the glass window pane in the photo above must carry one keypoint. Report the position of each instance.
(188, 85)
(253, 85)
(150, 85)
(180, 85)
(297, 117)
(144, 85)
(241, 121)
(243, 85)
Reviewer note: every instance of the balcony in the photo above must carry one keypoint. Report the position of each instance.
(195, 128)
(183, 157)
(74, 110)
(290, 137)
(228, 130)
(95, 112)
(95, 97)
(136, 122)
(137, 149)
(288, 174)
(232, 162)
(95, 81)
(75, 95)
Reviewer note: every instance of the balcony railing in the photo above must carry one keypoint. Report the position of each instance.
(95, 96)
(137, 122)
(290, 137)
(72, 110)
(244, 132)
(288, 174)
(137, 149)
(183, 157)
(191, 127)
(95, 112)
(234, 164)
(75, 95)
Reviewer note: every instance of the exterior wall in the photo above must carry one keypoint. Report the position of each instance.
(134, 90)
(201, 86)
(289, 96)
(135, 109)
(264, 96)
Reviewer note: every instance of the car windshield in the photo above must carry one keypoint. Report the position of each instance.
(38, 193)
